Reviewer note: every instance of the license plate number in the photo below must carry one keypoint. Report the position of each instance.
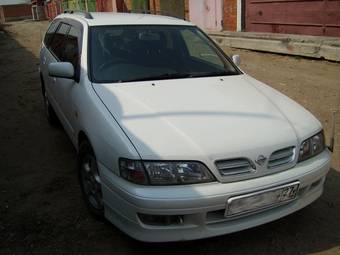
(261, 200)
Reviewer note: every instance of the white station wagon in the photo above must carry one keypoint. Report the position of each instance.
(174, 141)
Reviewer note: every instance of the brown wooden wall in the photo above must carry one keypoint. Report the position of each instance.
(309, 17)
(2, 16)
(13, 12)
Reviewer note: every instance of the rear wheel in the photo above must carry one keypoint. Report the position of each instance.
(89, 179)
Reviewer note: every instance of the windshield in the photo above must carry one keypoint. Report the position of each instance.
(144, 52)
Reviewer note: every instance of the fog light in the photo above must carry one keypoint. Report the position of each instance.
(161, 220)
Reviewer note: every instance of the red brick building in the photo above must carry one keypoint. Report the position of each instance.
(230, 15)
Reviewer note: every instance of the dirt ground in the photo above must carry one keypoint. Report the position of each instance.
(41, 209)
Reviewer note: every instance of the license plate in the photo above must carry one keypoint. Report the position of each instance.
(261, 200)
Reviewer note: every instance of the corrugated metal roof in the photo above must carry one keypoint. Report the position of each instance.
(12, 2)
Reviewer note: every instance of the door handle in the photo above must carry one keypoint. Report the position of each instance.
(54, 80)
(44, 60)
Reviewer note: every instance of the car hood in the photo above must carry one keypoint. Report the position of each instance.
(206, 119)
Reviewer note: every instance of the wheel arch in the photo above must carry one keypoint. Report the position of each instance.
(42, 83)
(82, 136)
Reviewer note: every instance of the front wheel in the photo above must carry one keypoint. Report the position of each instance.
(49, 111)
(89, 179)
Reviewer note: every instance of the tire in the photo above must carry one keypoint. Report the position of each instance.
(49, 111)
(89, 180)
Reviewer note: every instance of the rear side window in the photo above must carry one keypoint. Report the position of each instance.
(50, 32)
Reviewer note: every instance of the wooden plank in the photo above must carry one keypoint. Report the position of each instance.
(140, 6)
(173, 8)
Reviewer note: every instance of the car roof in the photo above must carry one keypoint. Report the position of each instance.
(111, 18)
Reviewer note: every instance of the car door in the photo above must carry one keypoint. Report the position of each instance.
(54, 85)
(69, 50)
(46, 58)
(68, 88)
(65, 47)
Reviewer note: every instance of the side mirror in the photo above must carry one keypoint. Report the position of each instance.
(236, 59)
(61, 70)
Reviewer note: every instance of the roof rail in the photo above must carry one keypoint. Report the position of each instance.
(141, 11)
(161, 12)
(86, 14)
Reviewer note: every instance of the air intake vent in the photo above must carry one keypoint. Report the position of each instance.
(234, 166)
(281, 157)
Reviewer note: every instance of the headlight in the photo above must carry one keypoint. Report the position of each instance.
(167, 173)
(312, 146)
(164, 172)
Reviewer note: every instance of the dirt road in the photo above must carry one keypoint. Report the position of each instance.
(41, 209)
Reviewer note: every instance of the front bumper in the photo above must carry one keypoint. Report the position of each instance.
(202, 206)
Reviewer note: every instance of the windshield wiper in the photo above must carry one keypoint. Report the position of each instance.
(167, 76)
(164, 76)
(211, 74)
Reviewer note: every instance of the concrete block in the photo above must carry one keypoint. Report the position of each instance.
(307, 46)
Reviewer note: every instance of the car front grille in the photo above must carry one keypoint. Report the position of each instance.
(234, 167)
(281, 157)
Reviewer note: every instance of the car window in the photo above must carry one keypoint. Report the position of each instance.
(50, 32)
(65, 45)
(151, 52)
(199, 48)
(70, 51)
(58, 42)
